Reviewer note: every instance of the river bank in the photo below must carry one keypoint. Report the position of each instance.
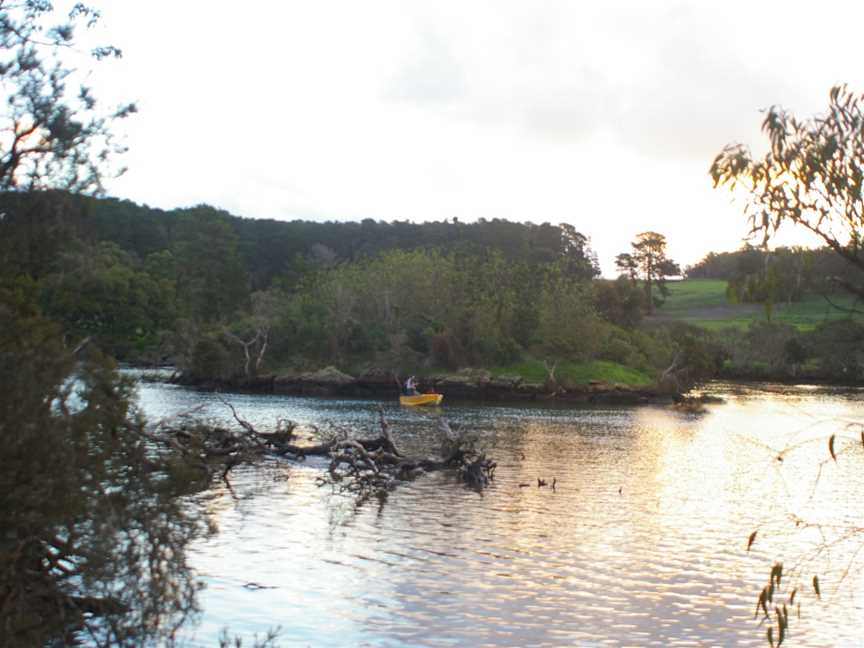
(467, 385)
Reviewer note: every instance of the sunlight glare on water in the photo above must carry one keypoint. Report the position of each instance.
(643, 541)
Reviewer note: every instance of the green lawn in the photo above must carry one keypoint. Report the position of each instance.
(577, 373)
(702, 302)
(694, 293)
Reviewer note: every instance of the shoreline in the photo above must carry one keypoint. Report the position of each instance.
(473, 386)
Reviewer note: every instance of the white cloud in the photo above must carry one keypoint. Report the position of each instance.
(606, 115)
(434, 76)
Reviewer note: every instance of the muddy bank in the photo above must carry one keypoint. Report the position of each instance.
(473, 385)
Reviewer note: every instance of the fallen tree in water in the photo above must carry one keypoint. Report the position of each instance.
(368, 467)
(360, 466)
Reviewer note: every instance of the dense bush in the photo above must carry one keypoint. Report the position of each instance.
(212, 359)
(838, 347)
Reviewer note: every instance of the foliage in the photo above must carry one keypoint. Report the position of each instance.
(620, 302)
(273, 251)
(345, 291)
(211, 280)
(226, 640)
(94, 534)
(804, 339)
(101, 292)
(765, 344)
(211, 358)
(578, 259)
(823, 534)
(413, 309)
(53, 135)
(782, 277)
(568, 327)
(253, 332)
(839, 349)
(647, 260)
(623, 347)
(812, 177)
(402, 307)
(695, 355)
(784, 274)
(727, 265)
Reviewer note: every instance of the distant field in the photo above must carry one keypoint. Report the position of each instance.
(702, 302)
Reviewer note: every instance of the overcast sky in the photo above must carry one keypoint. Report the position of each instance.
(605, 115)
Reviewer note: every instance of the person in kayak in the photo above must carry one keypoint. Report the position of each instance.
(411, 386)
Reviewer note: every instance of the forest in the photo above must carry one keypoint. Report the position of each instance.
(229, 299)
(221, 296)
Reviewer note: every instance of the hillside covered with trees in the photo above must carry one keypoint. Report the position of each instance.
(228, 297)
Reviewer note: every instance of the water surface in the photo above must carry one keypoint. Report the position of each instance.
(642, 543)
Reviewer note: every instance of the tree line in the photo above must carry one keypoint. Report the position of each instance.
(230, 299)
(230, 296)
(757, 274)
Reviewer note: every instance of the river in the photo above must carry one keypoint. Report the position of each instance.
(643, 542)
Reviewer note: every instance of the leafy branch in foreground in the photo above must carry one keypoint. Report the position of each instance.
(787, 587)
(51, 135)
(94, 525)
(812, 177)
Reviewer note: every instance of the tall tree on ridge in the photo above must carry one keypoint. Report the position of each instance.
(647, 260)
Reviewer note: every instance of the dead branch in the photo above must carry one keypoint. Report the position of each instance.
(376, 467)
(363, 467)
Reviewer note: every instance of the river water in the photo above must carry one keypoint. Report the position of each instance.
(643, 542)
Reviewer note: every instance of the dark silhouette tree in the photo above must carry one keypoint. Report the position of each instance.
(92, 531)
(211, 279)
(54, 135)
(626, 265)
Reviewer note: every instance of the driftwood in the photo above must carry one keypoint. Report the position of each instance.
(363, 467)
(377, 466)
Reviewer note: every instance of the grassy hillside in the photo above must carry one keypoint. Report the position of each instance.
(572, 374)
(702, 302)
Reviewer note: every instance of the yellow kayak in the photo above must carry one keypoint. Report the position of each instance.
(421, 399)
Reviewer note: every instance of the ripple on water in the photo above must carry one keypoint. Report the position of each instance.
(643, 541)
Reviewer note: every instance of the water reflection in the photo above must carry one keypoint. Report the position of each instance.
(643, 542)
